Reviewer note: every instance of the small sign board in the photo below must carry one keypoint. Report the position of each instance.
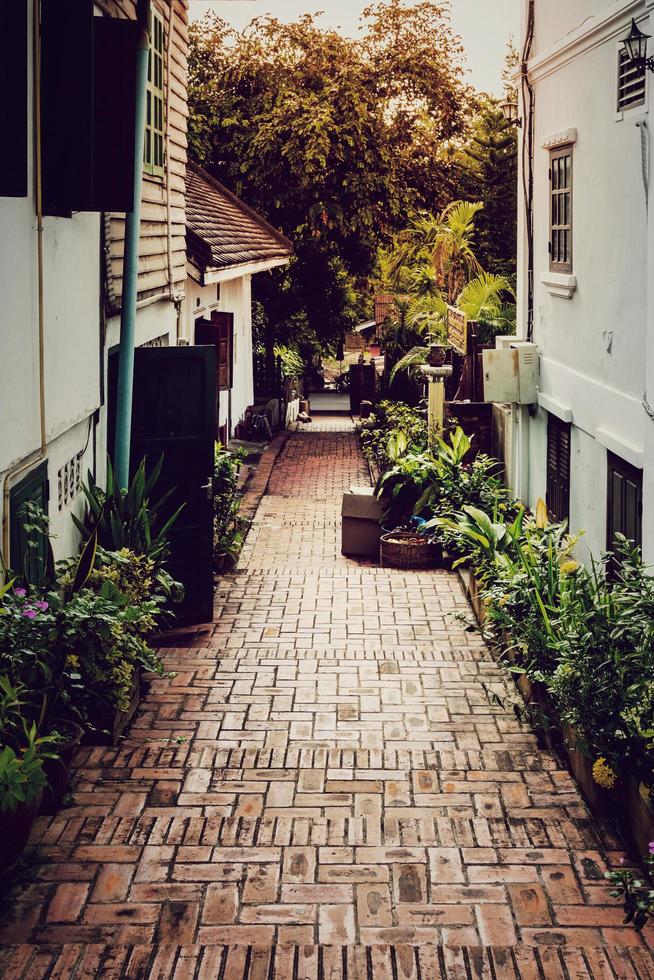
(457, 330)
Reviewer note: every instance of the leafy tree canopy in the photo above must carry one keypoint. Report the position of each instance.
(335, 140)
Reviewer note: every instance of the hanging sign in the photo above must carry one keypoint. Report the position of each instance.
(457, 330)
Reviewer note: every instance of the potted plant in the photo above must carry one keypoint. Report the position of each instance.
(23, 754)
(105, 631)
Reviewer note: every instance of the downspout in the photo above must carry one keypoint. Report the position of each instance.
(169, 230)
(19, 468)
(528, 161)
(131, 264)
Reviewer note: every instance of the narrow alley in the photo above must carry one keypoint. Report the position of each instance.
(333, 783)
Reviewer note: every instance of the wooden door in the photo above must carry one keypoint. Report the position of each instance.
(218, 332)
(174, 414)
(624, 512)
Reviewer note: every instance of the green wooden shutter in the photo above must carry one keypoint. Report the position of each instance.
(29, 553)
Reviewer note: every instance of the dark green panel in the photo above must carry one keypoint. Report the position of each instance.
(29, 552)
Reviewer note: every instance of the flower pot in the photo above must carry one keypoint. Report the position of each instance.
(406, 549)
(15, 829)
(108, 723)
(57, 771)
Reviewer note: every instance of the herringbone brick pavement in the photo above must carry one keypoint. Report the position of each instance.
(332, 783)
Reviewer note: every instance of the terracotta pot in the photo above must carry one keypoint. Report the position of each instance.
(57, 771)
(15, 829)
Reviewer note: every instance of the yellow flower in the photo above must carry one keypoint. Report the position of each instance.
(569, 567)
(603, 774)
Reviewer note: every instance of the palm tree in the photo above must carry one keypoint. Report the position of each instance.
(443, 242)
(480, 299)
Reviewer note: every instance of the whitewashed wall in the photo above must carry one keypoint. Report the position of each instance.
(235, 297)
(593, 345)
(71, 280)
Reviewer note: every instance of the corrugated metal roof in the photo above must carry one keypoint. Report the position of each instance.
(221, 230)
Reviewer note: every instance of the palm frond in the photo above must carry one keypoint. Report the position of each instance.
(411, 361)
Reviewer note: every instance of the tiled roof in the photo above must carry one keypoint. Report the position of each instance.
(222, 231)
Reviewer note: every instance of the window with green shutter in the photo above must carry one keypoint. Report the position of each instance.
(153, 154)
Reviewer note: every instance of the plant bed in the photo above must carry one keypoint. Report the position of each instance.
(15, 829)
(57, 771)
(624, 804)
(405, 549)
(107, 723)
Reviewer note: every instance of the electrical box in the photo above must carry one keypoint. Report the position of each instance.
(511, 373)
(527, 371)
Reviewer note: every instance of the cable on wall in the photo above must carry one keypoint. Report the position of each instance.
(528, 101)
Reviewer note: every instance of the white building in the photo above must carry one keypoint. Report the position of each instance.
(227, 243)
(588, 446)
(61, 271)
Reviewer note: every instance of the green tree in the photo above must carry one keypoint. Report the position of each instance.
(487, 166)
(332, 139)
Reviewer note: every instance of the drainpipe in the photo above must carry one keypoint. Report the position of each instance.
(35, 457)
(131, 264)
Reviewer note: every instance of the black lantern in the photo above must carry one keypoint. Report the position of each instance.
(510, 112)
(636, 47)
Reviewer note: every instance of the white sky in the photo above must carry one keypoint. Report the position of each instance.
(484, 25)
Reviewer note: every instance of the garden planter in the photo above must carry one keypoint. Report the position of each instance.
(405, 549)
(15, 829)
(632, 811)
(637, 817)
(57, 771)
(604, 803)
(109, 723)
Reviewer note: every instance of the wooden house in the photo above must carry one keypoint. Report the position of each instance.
(227, 243)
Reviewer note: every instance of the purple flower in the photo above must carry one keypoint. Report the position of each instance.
(29, 613)
(20, 593)
(651, 847)
(42, 605)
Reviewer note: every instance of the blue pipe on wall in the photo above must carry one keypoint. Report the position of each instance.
(130, 274)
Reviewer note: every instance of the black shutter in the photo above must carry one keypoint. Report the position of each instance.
(88, 81)
(13, 100)
(67, 105)
(115, 43)
(624, 510)
(558, 468)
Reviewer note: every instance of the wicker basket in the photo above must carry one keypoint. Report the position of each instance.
(406, 549)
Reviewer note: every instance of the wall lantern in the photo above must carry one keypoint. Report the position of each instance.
(636, 47)
(510, 113)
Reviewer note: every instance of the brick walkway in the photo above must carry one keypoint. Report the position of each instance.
(329, 787)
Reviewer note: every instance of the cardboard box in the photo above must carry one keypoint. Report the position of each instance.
(361, 514)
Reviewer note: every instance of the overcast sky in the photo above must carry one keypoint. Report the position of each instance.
(484, 25)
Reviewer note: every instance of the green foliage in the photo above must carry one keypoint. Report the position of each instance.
(381, 433)
(229, 527)
(487, 171)
(637, 895)
(292, 362)
(333, 139)
(22, 750)
(129, 518)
